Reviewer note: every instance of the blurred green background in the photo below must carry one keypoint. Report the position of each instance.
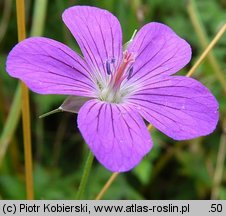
(192, 169)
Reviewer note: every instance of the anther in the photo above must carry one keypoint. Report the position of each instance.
(130, 72)
(108, 67)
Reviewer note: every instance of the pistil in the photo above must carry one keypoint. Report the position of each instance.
(121, 73)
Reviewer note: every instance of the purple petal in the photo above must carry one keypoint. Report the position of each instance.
(50, 67)
(115, 133)
(159, 52)
(180, 107)
(98, 34)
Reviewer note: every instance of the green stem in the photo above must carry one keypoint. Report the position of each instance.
(85, 176)
(38, 20)
(10, 124)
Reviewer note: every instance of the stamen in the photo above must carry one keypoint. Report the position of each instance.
(130, 72)
(111, 90)
(108, 67)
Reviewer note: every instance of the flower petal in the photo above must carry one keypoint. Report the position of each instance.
(98, 34)
(50, 67)
(116, 134)
(159, 52)
(180, 107)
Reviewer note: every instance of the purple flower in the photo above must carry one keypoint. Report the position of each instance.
(122, 87)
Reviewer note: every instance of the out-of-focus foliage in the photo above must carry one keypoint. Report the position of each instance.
(172, 170)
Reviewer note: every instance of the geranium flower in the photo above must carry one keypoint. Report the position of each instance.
(122, 87)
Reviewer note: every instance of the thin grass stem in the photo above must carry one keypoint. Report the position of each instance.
(20, 7)
(107, 186)
(200, 31)
(207, 50)
(10, 124)
(85, 176)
